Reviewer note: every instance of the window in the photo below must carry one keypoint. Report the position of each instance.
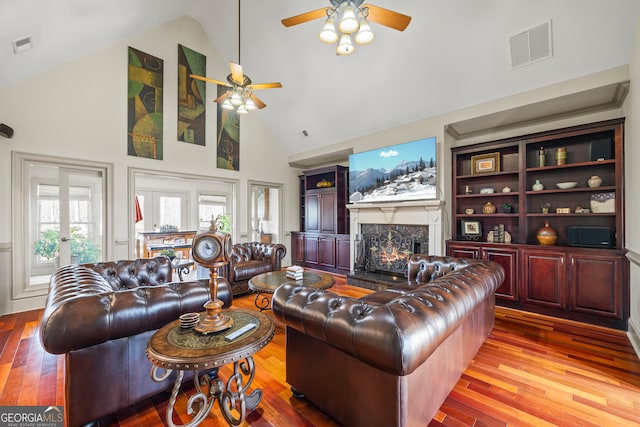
(210, 206)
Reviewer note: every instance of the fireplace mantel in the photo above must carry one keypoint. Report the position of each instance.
(417, 212)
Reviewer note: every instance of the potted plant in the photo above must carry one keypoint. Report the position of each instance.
(169, 253)
(545, 207)
(82, 249)
(507, 208)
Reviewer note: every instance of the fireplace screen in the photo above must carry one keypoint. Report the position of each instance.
(390, 252)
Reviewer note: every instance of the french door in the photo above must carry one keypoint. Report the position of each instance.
(60, 220)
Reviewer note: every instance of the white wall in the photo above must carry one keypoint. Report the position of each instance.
(79, 110)
(632, 196)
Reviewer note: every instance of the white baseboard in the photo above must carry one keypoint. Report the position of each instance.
(20, 305)
(634, 336)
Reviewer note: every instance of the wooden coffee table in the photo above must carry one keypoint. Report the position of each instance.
(174, 348)
(265, 284)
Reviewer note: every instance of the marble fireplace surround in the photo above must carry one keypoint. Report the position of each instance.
(418, 212)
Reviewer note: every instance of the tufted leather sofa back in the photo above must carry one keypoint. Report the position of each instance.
(129, 274)
(426, 268)
(251, 251)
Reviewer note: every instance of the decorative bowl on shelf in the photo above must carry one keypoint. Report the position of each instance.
(566, 185)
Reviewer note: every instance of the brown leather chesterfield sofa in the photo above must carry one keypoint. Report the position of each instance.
(250, 259)
(392, 357)
(100, 316)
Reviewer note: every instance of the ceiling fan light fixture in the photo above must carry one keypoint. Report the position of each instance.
(242, 110)
(348, 24)
(227, 105)
(328, 34)
(250, 105)
(365, 35)
(345, 47)
(236, 99)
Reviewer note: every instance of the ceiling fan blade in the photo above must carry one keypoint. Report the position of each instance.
(305, 17)
(387, 17)
(258, 102)
(258, 86)
(206, 79)
(221, 98)
(236, 73)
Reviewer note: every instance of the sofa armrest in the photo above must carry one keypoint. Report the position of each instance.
(83, 310)
(276, 252)
(395, 337)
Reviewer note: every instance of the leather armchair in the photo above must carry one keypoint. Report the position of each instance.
(100, 316)
(250, 259)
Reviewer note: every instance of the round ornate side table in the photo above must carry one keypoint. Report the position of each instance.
(173, 348)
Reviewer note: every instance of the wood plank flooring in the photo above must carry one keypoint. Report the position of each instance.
(532, 371)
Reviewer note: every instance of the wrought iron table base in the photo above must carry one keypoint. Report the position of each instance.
(263, 301)
(231, 397)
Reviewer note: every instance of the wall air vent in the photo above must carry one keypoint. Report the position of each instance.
(532, 45)
(22, 44)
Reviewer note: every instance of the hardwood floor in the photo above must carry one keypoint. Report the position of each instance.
(532, 371)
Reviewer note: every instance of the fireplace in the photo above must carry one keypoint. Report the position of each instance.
(385, 235)
(386, 248)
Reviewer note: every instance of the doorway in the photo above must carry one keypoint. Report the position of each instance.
(265, 219)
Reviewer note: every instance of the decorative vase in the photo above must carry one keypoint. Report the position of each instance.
(537, 186)
(561, 156)
(594, 181)
(489, 208)
(547, 235)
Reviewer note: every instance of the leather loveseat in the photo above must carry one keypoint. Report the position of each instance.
(250, 259)
(100, 316)
(391, 357)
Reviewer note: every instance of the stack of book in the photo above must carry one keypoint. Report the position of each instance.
(295, 272)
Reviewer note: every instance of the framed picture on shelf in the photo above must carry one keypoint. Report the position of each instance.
(485, 163)
(471, 230)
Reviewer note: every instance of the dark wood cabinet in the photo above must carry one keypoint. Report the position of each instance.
(508, 259)
(583, 284)
(323, 240)
(580, 279)
(297, 248)
(544, 279)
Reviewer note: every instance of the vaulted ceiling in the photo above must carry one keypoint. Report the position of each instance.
(454, 54)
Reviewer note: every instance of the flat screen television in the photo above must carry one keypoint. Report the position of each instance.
(396, 173)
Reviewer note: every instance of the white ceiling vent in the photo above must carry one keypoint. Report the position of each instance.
(531, 45)
(22, 44)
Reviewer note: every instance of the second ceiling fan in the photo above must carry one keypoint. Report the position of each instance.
(240, 96)
(353, 18)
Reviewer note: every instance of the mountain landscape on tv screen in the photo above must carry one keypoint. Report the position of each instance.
(408, 180)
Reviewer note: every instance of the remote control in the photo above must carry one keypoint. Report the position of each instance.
(235, 334)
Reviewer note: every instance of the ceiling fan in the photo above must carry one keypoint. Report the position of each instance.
(241, 90)
(352, 18)
(240, 96)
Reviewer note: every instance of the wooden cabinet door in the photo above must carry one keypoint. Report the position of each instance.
(508, 259)
(595, 284)
(311, 249)
(297, 248)
(327, 213)
(327, 251)
(343, 253)
(312, 210)
(544, 278)
(462, 251)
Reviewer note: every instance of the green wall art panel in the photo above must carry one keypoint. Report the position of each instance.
(228, 136)
(191, 96)
(144, 137)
